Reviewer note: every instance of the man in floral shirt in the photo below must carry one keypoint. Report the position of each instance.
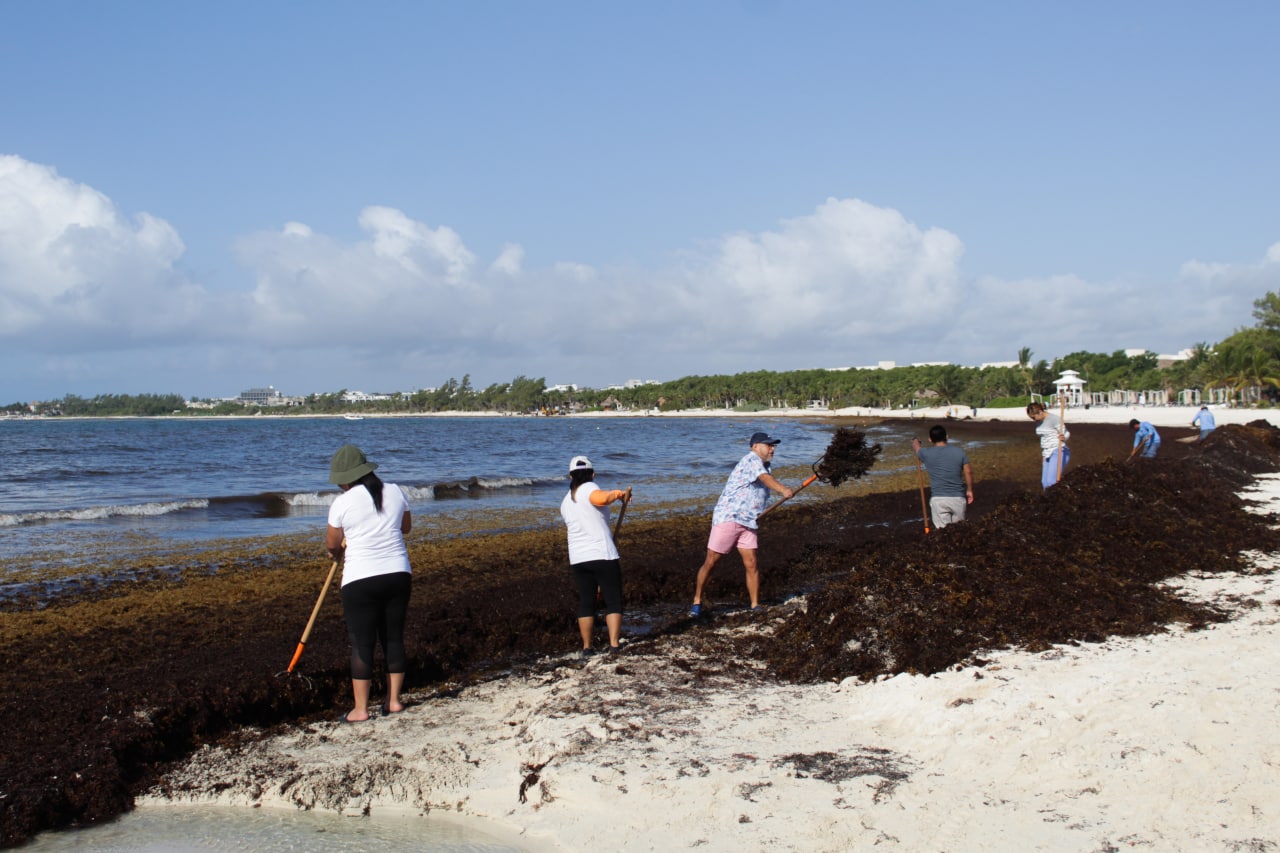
(733, 524)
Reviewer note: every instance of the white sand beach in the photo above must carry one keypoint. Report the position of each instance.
(1165, 742)
(1160, 416)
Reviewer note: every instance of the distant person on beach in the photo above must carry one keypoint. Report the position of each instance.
(950, 477)
(373, 518)
(593, 556)
(1146, 441)
(733, 522)
(1053, 443)
(1204, 420)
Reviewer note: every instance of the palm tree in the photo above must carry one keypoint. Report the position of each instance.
(949, 383)
(1024, 366)
(1040, 377)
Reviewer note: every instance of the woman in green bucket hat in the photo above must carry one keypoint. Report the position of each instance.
(367, 526)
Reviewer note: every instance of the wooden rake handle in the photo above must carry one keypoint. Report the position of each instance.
(315, 611)
(924, 508)
(798, 490)
(617, 525)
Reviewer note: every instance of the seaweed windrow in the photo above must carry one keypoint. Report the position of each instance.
(1079, 562)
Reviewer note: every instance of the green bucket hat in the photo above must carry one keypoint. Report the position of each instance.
(349, 465)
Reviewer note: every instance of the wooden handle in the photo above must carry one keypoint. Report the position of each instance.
(617, 525)
(315, 611)
(924, 510)
(801, 488)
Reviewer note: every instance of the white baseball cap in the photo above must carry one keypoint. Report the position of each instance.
(580, 463)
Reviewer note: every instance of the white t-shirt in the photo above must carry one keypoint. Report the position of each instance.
(1047, 429)
(375, 545)
(589, 534)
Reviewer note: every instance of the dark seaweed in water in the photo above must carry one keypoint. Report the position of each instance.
(103, 688)
(848, 457)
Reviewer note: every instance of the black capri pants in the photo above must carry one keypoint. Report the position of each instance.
(603, 574)
(375, 609)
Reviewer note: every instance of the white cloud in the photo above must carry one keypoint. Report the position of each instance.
(420, 249)
(850, 269)
(510, 260)
(73, 267)
(848, 283)
(1057, 315)
(571, 271)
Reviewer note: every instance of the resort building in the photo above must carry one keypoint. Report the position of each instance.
(268, 396)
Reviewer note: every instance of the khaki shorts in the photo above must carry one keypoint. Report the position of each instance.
(947, 510)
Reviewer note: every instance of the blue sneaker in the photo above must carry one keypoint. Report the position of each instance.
(695, 611)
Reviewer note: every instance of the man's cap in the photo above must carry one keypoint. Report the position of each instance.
(763, 438)
(580, 463)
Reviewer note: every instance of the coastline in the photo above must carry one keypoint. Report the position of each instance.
(129, 723)
(1165, 741)
(1160, 416)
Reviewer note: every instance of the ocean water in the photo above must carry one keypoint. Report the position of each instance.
(94, 491)
(89, 493)
(212, 477)
(222, 829)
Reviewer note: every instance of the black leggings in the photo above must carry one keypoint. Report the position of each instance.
(605, 574)
(375, 609)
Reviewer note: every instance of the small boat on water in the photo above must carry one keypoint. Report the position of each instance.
(354, 417)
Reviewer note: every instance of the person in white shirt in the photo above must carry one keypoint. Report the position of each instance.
(593, 556)
(1053, 443)
(367, 526)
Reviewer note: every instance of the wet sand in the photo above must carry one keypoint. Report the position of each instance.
(106, 695)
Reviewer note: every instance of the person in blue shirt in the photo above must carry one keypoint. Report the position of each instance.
(1204, 420)
(1146, 441)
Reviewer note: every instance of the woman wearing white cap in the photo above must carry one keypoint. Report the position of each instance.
(592, 553)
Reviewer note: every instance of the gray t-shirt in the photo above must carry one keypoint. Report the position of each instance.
(946, 470)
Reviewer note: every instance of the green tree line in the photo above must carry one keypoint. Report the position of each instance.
(1247, 363)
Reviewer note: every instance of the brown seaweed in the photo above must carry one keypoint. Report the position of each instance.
(106, 686)
(848, 457)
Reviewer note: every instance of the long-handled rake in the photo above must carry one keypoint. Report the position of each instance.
(924, 508)
(306, 632)
(847, 457)
(1062, 426)
(617, 525)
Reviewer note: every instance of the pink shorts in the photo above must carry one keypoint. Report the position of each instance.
(727, 535)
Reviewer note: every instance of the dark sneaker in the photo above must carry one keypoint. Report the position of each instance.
(587, 654)
(695, 611)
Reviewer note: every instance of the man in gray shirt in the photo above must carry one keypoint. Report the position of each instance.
(950, 477)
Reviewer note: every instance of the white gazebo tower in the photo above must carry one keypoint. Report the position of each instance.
(1070, 388)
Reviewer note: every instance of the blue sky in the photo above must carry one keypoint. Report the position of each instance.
(203, 198)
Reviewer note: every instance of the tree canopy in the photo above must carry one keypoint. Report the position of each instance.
(1247, 363)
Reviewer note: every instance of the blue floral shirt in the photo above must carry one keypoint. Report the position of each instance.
(744, 496)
